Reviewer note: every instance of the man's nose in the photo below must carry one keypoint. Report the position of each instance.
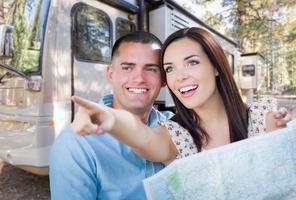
(139, 75)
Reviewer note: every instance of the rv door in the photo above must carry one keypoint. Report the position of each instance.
(95, 27)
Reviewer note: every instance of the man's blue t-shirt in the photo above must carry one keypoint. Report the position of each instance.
(99, 167)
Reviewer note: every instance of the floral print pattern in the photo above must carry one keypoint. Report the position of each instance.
(257, 111)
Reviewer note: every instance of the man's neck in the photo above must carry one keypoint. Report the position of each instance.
(142, 114)
(143, 117)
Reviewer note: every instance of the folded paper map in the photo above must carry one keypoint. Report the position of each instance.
(261, 167)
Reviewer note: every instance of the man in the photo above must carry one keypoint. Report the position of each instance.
(100, 167)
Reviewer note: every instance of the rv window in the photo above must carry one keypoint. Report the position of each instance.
(92, 34)
(28, 22)
(230, 58)
(124, 27)
(248, 70)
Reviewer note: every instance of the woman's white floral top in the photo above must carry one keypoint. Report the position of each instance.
(257, 111)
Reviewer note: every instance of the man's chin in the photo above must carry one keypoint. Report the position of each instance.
(139, 107)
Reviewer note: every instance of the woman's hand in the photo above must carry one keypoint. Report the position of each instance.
(92, 117)
(278, 119)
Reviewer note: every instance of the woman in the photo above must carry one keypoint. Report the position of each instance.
(210, 111)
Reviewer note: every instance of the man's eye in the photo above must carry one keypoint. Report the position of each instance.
(168, 69)
(128, 68)
(152, 69)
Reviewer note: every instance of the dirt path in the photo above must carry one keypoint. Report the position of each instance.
(16, 184)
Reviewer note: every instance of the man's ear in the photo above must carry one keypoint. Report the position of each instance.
(109, 73)
(163, 83)
(163, 79)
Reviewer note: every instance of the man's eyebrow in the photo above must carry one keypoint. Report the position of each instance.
(127, 63)
(188, 57)
(152, 65)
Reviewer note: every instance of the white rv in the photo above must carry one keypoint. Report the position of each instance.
(52, 49)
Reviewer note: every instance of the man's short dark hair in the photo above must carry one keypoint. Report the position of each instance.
(136, 37)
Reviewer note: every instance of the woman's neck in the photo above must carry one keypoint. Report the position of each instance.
(211, 111)
(214, 121)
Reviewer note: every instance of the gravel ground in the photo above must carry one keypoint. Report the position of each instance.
(16, 184)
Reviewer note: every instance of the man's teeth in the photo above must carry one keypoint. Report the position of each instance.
(188, 88)
(137, 90)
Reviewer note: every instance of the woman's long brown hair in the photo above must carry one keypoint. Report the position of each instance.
(236, 110)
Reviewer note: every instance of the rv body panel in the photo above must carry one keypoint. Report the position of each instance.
(31, 120)
(74, 55)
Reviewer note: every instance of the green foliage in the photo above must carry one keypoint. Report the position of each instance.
(266, 26)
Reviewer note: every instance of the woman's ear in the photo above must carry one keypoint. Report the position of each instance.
(216, 72)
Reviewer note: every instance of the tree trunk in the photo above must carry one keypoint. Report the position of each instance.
(1, 12)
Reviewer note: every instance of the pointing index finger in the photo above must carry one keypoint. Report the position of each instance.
(82, 102)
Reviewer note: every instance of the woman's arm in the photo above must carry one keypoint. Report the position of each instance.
(153, 144)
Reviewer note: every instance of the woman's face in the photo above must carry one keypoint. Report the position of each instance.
(190, 74)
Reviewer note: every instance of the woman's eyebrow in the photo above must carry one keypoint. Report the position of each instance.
(168, 63)
(188, 57)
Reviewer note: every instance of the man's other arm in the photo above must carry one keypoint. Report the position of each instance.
(72, 168)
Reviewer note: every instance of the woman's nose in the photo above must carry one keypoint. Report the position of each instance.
(182, 74)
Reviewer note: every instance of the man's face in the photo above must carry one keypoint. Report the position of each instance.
(135, 77)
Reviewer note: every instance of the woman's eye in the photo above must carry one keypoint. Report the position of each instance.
(192, 63)
(168, 69)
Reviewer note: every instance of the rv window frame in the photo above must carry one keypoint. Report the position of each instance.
(74, 34)
(43, 40)
(232, 56)
(123, 20)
